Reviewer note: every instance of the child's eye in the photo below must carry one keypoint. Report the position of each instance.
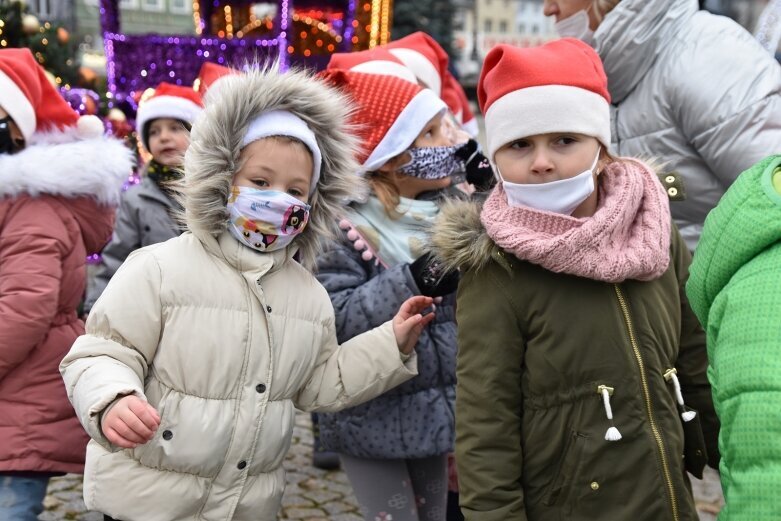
(566, 140)
(260, 182)
(521, 143)
(295, 192)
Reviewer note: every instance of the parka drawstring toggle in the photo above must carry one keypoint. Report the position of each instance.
(672, 376)
(612, 433)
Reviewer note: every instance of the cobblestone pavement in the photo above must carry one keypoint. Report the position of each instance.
(312, 494)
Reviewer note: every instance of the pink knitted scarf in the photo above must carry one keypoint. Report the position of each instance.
(627, 238)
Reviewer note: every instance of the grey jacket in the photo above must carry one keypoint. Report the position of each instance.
(694, 90)
(143, 218)
(416, 419)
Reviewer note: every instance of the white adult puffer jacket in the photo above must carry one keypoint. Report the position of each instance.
(693, 90)
(224, 341)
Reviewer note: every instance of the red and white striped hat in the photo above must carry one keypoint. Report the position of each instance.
(373, 61)
(389, 112)
(558, 87)
(168, 101)
(32, 101)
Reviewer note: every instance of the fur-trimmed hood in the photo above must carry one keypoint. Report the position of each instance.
(216, 142)
(458, 238)
(62, 165)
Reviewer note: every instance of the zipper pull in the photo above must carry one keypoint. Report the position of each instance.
(612, 433)
(672, 376)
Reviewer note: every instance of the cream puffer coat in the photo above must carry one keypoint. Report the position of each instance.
(222, 340)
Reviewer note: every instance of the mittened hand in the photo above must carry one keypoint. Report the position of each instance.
(410, 321)
(478, 169)
(430, 278)
(130, 422)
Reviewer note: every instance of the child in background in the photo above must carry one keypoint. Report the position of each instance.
(394, 448)
(145, 211)
(735, 289)
(576, 344)
(60, 180)
(200, 348)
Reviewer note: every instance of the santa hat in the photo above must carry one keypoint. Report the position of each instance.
(33, 103)
(453, 94)
(209, 74)
(373, 61)
(558, 87)
(421, 54)
(168, 101)
(389, 113)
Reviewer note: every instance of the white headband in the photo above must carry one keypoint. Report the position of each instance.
(283, 123)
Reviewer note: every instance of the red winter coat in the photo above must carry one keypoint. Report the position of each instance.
(44, 241)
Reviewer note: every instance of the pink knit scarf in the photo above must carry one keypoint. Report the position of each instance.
(627, 238)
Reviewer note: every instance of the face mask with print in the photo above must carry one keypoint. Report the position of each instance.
(433, 162)
(576, 26)
(265, 220)
(557, 196)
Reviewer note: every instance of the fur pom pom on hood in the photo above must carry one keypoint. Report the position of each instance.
(216, 142)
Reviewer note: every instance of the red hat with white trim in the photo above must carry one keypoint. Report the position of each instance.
(168, 101)
(372, 61)
(558, 87)
(390, 113)
(32, 101)
(209, 74)
(421, 54)
(453, 94)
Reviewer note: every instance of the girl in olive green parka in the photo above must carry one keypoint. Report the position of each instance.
(580, 364)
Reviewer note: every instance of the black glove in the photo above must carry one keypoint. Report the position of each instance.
(429, 278)
(478, 169)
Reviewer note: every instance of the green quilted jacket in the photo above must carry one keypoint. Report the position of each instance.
(735, 290)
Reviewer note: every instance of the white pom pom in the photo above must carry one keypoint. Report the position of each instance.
(359, 245)
(90, 126)
(367, 255)
(344, 224)
(612, 434)
(352, 235)
(688, 415)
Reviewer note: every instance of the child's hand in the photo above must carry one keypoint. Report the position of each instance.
(409, 322)
(130, 423)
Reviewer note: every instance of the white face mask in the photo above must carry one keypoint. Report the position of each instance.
(576, 26)
(557, 196)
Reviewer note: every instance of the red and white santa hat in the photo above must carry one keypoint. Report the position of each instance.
(463, 114)
(32, 101)
(390, 112)
(372, 61)
(168, 101)
(209, 76)
(558, 87)
(421, 54)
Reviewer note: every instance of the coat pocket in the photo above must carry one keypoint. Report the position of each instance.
(566, 470)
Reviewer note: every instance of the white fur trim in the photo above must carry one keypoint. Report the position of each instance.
(545, 109)
(172, 107)
(411, 122)
(92, 167)
(283, 123)
(424, 70)
(386, 68)
(13, 101)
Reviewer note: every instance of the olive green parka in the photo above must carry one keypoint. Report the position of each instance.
(534, 348)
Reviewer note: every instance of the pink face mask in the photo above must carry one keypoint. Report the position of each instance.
(265, 220)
